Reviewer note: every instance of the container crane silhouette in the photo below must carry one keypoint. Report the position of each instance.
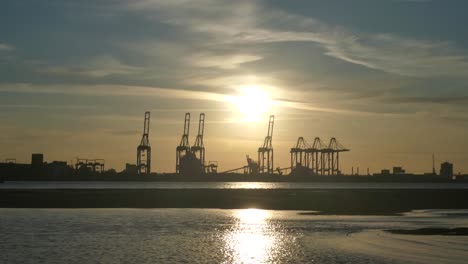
(265, 152)
(144, 149)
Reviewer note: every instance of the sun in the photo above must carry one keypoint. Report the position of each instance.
(252, 103)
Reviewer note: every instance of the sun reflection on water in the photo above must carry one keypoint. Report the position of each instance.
(252, 216)
(252, 239)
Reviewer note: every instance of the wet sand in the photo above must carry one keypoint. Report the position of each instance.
(432, 231)
(329, 201)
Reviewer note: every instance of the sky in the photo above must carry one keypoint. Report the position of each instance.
(387, 78)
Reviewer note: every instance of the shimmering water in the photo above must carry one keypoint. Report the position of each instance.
(223, 236)
(229, 185)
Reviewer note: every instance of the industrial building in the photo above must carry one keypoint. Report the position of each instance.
(37, 169)
(446, 170)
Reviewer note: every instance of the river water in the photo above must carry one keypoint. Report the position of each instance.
(227, 185)
(224, 236)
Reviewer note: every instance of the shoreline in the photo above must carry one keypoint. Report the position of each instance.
(10, 185)
(169, 177)
(326, 201)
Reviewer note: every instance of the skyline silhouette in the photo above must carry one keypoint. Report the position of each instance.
(393, 90)
(317, 158)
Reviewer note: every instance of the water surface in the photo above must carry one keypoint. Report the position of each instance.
(223, 236)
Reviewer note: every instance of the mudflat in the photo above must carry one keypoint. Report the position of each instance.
(327, 201)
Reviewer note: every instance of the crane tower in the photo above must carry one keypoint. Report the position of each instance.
(144, 149)
(198, 149)
(184, 147)
(265, 152)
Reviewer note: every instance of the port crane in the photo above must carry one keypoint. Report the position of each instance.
(184, 147)
(316, 159)
(144, 149)
(198, 149)
(265, 152)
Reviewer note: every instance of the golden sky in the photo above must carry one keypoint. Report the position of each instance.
(388, 79)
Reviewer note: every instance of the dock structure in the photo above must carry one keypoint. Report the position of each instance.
(91, 165)
(316, 158)
(190, 160)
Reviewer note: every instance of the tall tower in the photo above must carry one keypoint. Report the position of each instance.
(198, 149)
(184, 147)
(144, 149)
(265, 152)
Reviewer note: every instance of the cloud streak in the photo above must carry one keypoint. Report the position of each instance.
(6, 47)
(225, 62)
(100, 66)
(112, 90)
(251, 22)
(171, 93)
(214, 45)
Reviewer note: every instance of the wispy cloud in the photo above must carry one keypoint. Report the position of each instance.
(100, 66)
(459, 100)
(401, 56)
(141, 91)
(209, 47)
(224, 61)
(111, 90)
(251, 22)
(48, 106)
(6, 47)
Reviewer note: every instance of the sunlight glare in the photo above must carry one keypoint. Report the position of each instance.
(252, 240)
(252, 216)
(252, 103)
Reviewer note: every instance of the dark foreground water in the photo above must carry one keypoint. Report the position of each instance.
(223, 236)
(229, 185)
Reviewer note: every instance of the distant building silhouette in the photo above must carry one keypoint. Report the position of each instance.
(131, 169)
(59, 169)
(37, 164)
(37, 160)
(446, 169)
(398, 171)
(385, 172)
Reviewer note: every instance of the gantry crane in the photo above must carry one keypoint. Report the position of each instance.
(316, 164)
(184, 147)
(334, 149)
(265, 152)
(298, 154)
(144, 149)
(91, 165)
(198, 149)
(316, 159)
